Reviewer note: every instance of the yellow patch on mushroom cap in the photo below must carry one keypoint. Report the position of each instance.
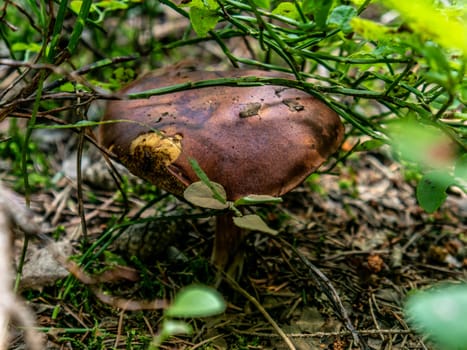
(163, 149)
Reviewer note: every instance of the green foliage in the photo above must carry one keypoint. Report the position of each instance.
(431, 21)
(431, 190)
(418, 143)
(439, 313)
(341, 17)
(203, 15)
(211, 195)
(16, 150)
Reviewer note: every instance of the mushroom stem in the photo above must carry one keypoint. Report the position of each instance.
(227, 243)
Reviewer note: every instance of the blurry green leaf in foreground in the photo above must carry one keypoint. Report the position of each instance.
(418, 142)
(253, 222)
(368, 29)
(441, 315)
(431, 191)
(443, 24)
(198, 193)
(172, 327)
(196, 301)
(341, 16)
(368, 145)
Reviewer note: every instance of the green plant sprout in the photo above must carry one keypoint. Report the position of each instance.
(211, 195)
(190, 302)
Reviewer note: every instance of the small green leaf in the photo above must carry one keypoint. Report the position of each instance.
(440, 314)
(253, 222)
(286, 9)
(341, 17)
(254, 199)
(203, 15)
(198, 193)
(75, 6)
(319, 9)
(220, 196)
(32, 47)
(111, 5)
(431, 190)
(203, 20)
(196, 301)
(368, 145)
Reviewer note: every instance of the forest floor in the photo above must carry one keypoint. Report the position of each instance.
(360, 227)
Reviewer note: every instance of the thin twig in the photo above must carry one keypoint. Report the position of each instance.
(261, 309)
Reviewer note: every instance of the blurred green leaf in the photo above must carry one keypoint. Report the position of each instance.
(438, 21)
(368, 29)
(341, 17)
(253, 222)
(196, 301)
(203, 20)
(369, 145)
(75, 5)
(112, 5)
(415, 141)
(265, 4)
(461, 167)
(319, 9)
(440, 313)
(431, 190)
(173, 327)
(287, 9)
(32, 47)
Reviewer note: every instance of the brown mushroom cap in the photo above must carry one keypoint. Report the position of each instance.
(252, 140)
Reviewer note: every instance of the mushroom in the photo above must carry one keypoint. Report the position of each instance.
(251, 140)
